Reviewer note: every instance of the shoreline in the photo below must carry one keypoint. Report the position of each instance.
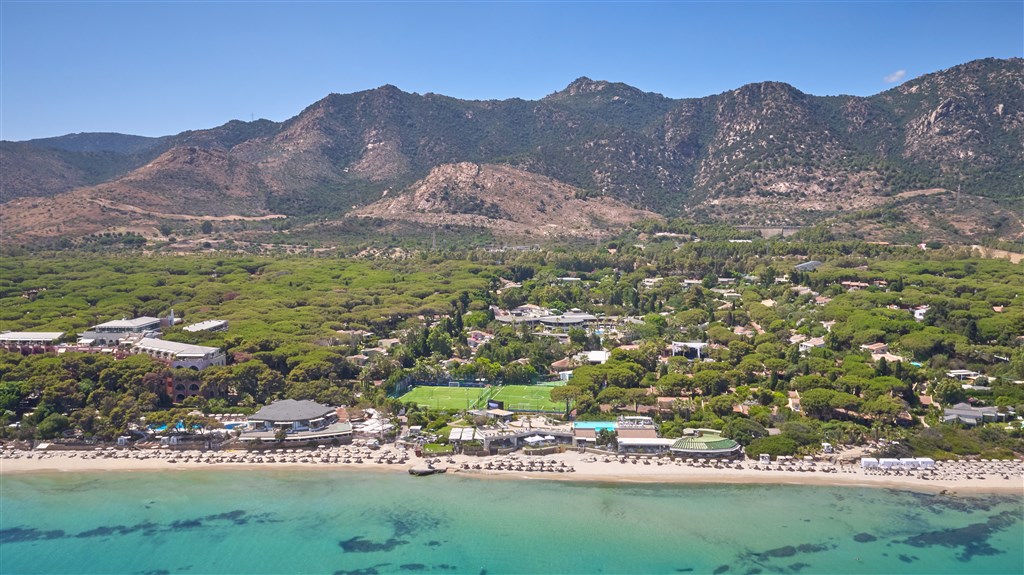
(586, 469)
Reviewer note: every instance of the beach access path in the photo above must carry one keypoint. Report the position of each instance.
(950, 477)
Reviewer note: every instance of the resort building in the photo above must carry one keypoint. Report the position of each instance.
(29, 342)
(208, 325)
(177, 354)
(302, 421)
(113, 332)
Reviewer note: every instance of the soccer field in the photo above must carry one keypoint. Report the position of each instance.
(528, 398)
(444, 397)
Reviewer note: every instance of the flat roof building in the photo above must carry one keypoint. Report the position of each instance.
(112, 332)
(30, 337)
(30, 342)
(208, 325)
(178, 354)
(124, 325)
(969, 415)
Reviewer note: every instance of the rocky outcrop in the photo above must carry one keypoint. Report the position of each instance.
(504, 200)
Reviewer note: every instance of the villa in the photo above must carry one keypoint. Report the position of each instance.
(969, 415)
(811, 344)
(876, 348)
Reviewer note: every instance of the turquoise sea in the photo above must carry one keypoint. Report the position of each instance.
(365, 523)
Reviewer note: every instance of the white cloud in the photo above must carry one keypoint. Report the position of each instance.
(895, 77)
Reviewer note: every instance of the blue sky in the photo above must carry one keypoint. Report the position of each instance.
(156, 68)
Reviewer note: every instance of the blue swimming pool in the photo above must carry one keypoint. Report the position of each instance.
(609, 425)
(179, 427)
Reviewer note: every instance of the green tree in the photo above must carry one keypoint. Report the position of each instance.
(567, 393)
(639, 396)
(773, 446)
(613, 395)
(53, 425)
(743, 431)
(710, 382)
(949, 393)
(721, 405)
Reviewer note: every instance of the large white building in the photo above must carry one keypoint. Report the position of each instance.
(181, 354)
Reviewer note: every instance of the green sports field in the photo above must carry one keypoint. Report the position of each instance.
(528, 398)
(444, 397)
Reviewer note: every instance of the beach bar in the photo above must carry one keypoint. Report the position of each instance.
(302, 421)
(705, 443)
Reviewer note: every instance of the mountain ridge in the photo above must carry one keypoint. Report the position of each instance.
(763, 153)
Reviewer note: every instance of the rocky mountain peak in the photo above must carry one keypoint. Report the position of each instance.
(600, 89)
(584, 85)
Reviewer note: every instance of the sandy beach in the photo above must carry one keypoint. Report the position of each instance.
(950, 477)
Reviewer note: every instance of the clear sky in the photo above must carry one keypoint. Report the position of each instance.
(157, 68)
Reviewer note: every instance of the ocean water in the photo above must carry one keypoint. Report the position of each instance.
(364, 523)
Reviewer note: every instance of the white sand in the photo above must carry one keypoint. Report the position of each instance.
(984, 478)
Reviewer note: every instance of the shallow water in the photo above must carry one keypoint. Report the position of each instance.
(362, 522)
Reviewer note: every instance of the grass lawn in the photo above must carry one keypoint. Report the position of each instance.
(444, 397)
(438, 449)
(528, 398)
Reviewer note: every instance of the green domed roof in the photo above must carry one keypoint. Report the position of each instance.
(706, 442)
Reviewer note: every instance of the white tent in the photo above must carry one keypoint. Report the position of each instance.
(868, 462)
(888, 462)
(908, 462)
(925, 462)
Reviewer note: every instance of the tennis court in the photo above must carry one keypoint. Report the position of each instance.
(444, 397)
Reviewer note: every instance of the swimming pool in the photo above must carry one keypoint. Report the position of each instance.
(609, 425)
(179, 427)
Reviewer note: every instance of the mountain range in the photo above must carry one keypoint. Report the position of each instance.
(585, 159)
